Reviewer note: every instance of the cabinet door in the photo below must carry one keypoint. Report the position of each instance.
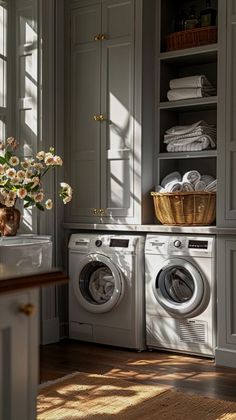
(226, 115)
(18, 357)
(117, 104)
(226, 308)
(83, 102)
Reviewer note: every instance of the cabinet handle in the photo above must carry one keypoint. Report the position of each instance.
(28, 309)
(97, 37)
(96, 117)
(102, 37)
(102, 212)
(102, 117)
(95, 212)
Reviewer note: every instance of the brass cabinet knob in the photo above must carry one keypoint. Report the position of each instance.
(102, 37)
(102, 117)
(95, 212)
(96, 117)
(102, 212)
(97, 37)
(28, 309)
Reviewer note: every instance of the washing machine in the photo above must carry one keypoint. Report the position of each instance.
(180, 293)
(106, 289)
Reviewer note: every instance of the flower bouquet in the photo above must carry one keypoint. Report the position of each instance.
(23, 179)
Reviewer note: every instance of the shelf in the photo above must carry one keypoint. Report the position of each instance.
(209, 102)
(186, 155)
(193, 56)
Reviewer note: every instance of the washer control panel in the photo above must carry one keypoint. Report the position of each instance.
(180, 245)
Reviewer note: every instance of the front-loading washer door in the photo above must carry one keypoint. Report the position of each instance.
(179, 287)
(98, 284)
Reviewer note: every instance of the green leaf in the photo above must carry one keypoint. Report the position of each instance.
(27, 198)
(2, 160)
(39, 206)
(27, 205)
(8, 155)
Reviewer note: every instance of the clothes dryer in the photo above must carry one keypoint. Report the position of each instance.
(180, 293)
(106, 291)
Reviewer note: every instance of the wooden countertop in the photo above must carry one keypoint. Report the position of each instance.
(11, 281)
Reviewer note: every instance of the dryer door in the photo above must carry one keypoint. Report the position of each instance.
(99, 284)
(179, 288)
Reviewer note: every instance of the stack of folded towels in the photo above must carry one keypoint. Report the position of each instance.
(194, 137)
(190, 87)
(191, 181)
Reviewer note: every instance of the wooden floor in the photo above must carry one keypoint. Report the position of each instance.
(188, 373)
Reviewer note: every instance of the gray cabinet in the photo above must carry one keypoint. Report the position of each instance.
(226, 308)
(18, 355)
(179, 63)
(227, 123)
(103, 111)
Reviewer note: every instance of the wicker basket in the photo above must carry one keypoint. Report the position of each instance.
(185, 208)
(191, 38)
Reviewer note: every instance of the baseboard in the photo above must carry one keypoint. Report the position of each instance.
(225, 357)
(50, 331)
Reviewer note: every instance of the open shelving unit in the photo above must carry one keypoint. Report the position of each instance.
(200, 60)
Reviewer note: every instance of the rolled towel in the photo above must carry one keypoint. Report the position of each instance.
(174, 186)
(190, 82)
(159, 188)
(186, 186)
(200, 185)
(191, 176)
(188, 93)
(172, 177)
(212, 186)
(207, 179)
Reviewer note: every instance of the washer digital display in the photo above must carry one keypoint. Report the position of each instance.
(198, 244)
(119, 243)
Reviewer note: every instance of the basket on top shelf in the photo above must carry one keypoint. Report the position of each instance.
(191, 38)
(185, 208)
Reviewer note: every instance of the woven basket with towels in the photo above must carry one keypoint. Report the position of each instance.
(185, 208)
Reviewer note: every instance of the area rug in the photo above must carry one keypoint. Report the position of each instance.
(100, 397)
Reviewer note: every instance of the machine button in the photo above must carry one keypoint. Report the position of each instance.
(98, 242)
(177, 243)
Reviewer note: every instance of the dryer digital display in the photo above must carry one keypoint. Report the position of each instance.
(119, 243)
(198, 244)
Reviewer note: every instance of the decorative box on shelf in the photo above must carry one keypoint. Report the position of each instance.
(191, 38)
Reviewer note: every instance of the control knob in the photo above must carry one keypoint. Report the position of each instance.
(177, 243)
(98, 243)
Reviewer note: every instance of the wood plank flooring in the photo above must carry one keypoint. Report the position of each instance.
(187, 373)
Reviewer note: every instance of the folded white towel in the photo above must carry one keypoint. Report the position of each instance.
(191, 176)
(186, 186)
(184, 129)
(172, 177)
(195, 133)
(186, 93)
(190, 144)
(190, 82)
